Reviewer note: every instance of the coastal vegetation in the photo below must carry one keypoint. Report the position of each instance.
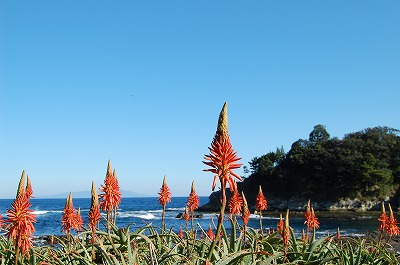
(101, 241)
(362, 168)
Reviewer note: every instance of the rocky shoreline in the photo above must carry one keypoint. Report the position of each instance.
(299, 204)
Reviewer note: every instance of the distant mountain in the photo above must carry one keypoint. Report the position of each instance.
(87, 194)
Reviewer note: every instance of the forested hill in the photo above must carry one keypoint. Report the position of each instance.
(363, 167)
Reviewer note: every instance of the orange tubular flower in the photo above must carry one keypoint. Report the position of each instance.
(94, 212)
(112, 195)
(391, 226)
(210, 233)
(68, 219)
(20, 220)
(285, 233)
(186, 215)
(78, 224)
(193, 200)
(180, 234)
(311, 219)
(164, 194)
(222, 158)
(383, 219)
(245, 213)
(281, 224)
(235, 203)
(28, 188)
(261, 202)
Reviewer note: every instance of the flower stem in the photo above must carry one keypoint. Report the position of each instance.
(220, 220)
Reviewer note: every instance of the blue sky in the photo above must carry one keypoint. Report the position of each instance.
(142, 83)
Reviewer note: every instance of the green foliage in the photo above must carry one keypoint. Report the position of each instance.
(362, 165)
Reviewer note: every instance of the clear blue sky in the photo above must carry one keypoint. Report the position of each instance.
(142, 83)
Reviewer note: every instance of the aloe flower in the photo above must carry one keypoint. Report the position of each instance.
(164, 197)
(111, 196)
(222, 160)
(20, 220)
(180, 233)
(28, 189)
(311, 220)
(235, 203)
(210, 233)
(245, 215)
(94, 212)
(245, 212)
(391, 228)
(285, 232)
(383, 219)
(186, 215)
(68, 220)
(281, 224)
(261, 204)
(193, 200)
(79, 221)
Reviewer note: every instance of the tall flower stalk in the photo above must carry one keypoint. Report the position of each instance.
(245, 215)
(164, 197)
(20, 220)
(111, 196)
(193, 202)
(222, 160)
(311, 221)
(261, 205)
(94, 216)
(69, 218)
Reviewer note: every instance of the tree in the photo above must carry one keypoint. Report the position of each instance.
(319, 134)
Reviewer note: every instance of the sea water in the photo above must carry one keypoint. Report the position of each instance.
(138, 212)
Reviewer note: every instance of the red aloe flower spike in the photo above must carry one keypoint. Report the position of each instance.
(210, 233)
(180, 234)
(245, 215)
(163, 198)
(261, 204)
(78, 224)
(28, 188)
(94, 216)
(235, 203)
(222, 158)
(314, 222)
(307, 214)
(94, 212)
(186, 215)
(391, 225)
(338, 236)
(112, 195)
(20, 221)
(245, 212)
(311, 219)
(164, 194)
(383, 219)
(193, 200)
(281, 224)
(286, 231)
(68, 219)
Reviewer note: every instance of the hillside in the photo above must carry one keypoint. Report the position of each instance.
(353, 173)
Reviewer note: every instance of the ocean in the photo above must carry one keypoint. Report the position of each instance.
(141, 211)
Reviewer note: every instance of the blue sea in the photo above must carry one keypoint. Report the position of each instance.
(141, 211)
